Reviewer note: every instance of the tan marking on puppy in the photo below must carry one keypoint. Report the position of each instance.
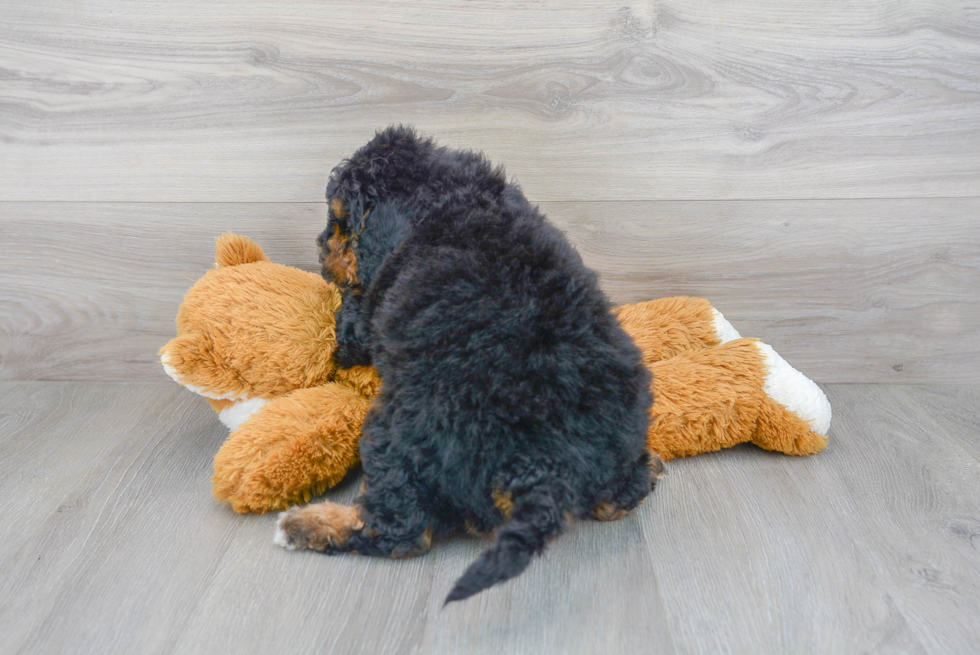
(503, 501)
(421, 548)
(608, 512)
(317, 526)
(337, 207)
(339, 260)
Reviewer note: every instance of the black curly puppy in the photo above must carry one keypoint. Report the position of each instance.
(512, 399)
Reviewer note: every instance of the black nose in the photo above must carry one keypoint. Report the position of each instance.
(321, 239)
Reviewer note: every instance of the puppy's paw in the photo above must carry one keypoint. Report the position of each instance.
(322, 527)
(608, 512)
(656, 465)
(282, 538)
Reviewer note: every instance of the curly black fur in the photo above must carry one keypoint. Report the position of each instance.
(512, 398)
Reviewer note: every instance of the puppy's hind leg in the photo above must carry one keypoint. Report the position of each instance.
(386, 521)
(633, 489)
(322, 526)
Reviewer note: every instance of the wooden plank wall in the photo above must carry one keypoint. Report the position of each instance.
(814, 169)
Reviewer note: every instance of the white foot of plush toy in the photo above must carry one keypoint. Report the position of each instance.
(795, 391)
(737, 392)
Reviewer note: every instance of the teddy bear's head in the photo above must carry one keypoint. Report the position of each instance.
(251, 330)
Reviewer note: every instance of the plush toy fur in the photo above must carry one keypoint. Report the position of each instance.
(714, 390)
(256, 339)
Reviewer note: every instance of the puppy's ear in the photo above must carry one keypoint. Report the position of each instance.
(232, 250)
(386, 226)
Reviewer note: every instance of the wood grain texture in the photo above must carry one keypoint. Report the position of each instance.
(847, 291)
(955, 408)
(608, 601)
(909, 494)
(112, 544)
(97, 491)
(583, 100)
(765, 553)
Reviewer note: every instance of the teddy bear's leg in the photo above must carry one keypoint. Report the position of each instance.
(794, 416)
(292, 448)
(706, 400)
(737, 392)
(667, 327)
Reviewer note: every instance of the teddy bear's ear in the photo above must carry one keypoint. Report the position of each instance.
(232, 250)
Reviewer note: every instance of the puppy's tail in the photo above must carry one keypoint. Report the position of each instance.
(534, 519)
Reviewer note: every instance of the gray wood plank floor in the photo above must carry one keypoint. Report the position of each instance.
(111, 543)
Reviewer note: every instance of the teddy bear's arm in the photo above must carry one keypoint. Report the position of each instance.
(291, 449)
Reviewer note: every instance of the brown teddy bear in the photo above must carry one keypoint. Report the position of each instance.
(256, 340)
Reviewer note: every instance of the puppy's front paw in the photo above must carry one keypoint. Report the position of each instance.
(323, 526)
